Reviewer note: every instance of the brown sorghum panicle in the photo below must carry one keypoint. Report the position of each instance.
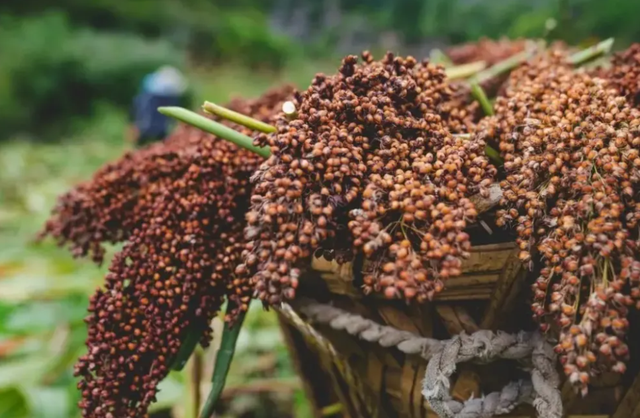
(460, 112)
(179, 206)
(367, 165)
(571, 147)
(624, 73)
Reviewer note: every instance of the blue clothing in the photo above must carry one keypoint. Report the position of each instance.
(145, 115)
(164, 87)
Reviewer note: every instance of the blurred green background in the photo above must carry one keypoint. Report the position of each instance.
(68, 73)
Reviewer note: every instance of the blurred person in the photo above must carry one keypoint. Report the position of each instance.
(166, 86)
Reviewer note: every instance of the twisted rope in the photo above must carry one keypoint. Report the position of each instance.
(482, 346)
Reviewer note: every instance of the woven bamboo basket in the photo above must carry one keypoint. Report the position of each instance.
(369, 376)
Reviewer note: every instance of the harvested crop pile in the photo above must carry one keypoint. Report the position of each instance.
(179, 207)
(571, 149)
(460, 112)
(624, 73)
(379, 160)
(368, 165)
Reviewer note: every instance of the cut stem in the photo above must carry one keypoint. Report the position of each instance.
(592, 52)
(223, 361)
(214, 128)
(238, 118)
(505, 65)
(478, 93)
(289, 109)
(465, 70)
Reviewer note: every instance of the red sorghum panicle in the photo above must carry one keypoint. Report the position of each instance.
(571, 150)
(180, 206)
(368, 165)
(118, 197)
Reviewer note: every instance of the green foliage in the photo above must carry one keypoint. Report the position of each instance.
(212, 30)
(43, 291)
(581, 19)
(577, 20)
(146, 17)
(57, 72)
(80, 52)
(244, 37)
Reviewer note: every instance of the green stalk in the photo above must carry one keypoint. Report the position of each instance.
(592, 52)
(465, 70)
(505, 65)
(223, 361)
(214, 128)
(333, 409)
(478, 93)
(192, 407)
(436, 56)
(493, 155)
(194, 333)
(495, 70)
(238, 118)
(603, 62)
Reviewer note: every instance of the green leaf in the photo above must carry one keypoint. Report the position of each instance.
(41, 317)
(49, 402)
(194, 333)
(223, 361)
(13, 403)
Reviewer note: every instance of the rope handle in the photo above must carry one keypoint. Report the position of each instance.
(541, 390)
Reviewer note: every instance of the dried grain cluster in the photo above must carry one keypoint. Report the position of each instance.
(368, 165)
(371, 164)
(571, 147)
(624, 73)
(179, 206)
